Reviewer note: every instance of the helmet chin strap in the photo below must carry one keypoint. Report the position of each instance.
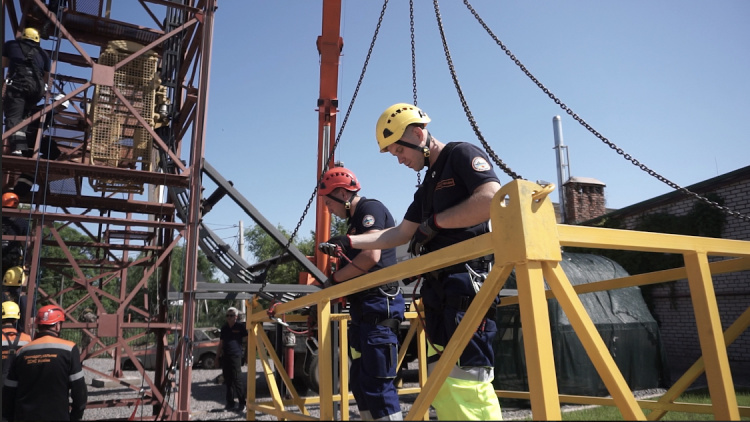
(425, 150)
(347, 204)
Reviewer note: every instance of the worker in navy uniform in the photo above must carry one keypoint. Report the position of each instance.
(229, 355)
(46, 381)
(25, 83)
(375, 313)
(451, 206)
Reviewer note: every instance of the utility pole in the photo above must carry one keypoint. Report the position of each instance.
(241, 251)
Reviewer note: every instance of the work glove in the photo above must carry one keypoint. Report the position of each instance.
(329, 247)
(425, 232)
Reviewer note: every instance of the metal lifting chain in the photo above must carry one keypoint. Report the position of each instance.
(473, 123)
(583, 123)
(338, 138)
(413, 67)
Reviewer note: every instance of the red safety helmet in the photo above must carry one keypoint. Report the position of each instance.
(49, 315)
(338, 177)
(10, 200)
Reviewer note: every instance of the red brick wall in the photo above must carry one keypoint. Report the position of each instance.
(672, 302)
(583, 202)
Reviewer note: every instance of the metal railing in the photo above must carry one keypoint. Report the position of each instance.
(526, 237)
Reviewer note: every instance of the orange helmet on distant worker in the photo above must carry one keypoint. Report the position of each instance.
(393, 123)
(10, 200)
(49, 315)
(338, 177)
(30, 34)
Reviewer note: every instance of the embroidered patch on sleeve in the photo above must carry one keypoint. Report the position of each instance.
(480, 164)
(368, 221)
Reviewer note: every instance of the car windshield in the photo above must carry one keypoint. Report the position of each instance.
(206, 334)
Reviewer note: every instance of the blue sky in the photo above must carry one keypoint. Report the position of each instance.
(667, 82)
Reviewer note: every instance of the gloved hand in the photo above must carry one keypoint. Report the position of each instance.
(329, 247)
(425, 232)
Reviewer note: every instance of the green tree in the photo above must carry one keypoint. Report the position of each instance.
(56, 274)
(177, 275)
(264, 247)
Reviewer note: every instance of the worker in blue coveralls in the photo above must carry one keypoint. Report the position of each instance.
(451, 206)
(375, 313)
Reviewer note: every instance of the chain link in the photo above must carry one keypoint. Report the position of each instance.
(583, 123)
(414, 67)
(338, 138)
(465, 105)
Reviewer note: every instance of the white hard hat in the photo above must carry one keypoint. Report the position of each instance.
(65, 103)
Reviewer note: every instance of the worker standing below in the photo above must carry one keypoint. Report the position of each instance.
(451, 206)
(12, 340)
(375, 313)
(229, 355)
(46, 381)
(90, 317)
(25, 83)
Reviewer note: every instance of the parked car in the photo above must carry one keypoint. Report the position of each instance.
(205, 343)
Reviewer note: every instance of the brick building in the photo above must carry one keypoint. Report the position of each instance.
(671, 302)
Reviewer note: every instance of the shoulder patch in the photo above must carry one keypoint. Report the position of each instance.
(368, 220)
(480, 164)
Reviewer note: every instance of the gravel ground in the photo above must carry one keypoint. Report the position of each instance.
(207, 401)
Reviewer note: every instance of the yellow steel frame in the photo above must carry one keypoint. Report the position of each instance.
(525, 236)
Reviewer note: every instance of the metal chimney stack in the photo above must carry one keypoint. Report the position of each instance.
(563, 166)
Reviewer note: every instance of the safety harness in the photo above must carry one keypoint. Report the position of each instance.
(12, 347)
(24, 75)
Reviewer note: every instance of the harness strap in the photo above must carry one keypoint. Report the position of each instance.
(376, 319)
(462, 303)
(480, 265)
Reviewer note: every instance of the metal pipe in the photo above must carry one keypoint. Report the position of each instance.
(563, 166)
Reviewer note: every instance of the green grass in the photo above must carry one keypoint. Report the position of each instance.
(611, 413)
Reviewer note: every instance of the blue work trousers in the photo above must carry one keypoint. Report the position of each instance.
(374, 352)
(442, 317)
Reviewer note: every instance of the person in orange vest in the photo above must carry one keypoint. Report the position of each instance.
(12, 339)
(46, 380)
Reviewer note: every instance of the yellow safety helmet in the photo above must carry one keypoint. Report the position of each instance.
(14, 277)
(11, 310)
(393, 122)
(30, 34)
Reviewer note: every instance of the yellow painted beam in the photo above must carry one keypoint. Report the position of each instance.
(537, 342)
(465, 330)
(686, 380)
(710, 334)
(325, 355)
(592, 342)
(631, 240)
